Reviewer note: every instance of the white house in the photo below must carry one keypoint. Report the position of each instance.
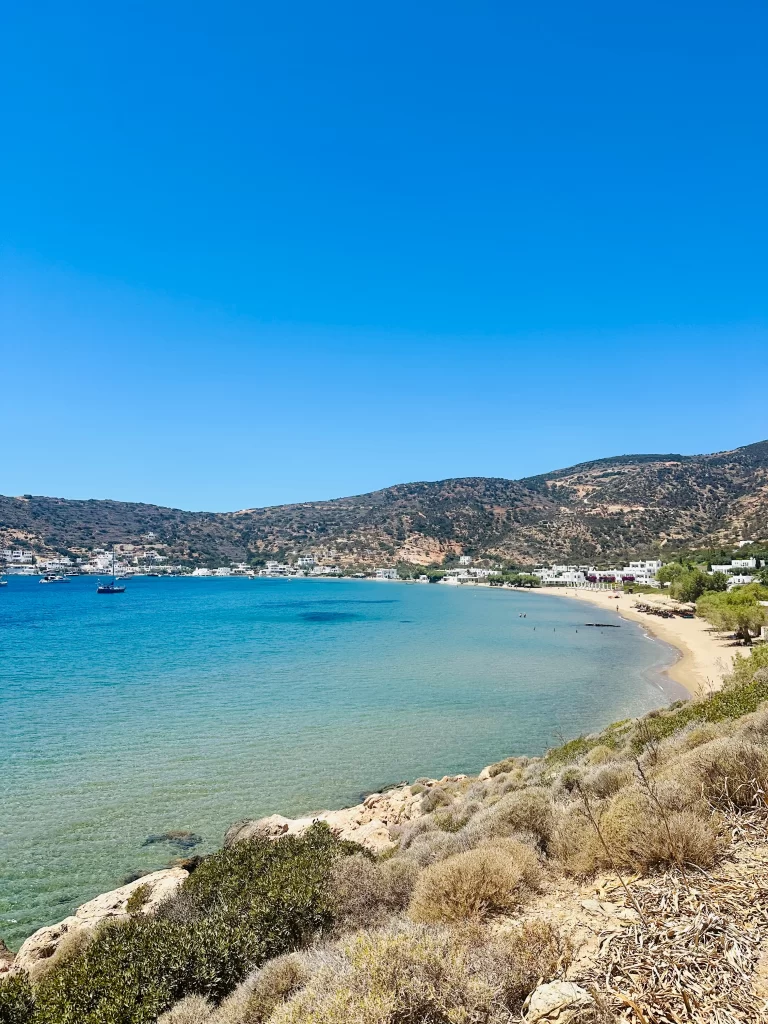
(739, 580)
(387, 574)
(465, 560)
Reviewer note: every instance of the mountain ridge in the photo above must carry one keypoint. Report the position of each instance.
(604, 508)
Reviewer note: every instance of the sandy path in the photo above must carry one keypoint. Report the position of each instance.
(705, 656)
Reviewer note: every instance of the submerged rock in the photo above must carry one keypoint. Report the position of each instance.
(176, 837)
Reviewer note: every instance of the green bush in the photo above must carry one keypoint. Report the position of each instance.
(16, 1002)
(243, 905)
(138, 898)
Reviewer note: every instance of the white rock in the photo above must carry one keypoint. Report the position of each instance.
(45, 941)
(557, 1001)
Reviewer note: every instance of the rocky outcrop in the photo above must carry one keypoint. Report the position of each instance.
(46, 942)
(368, 823)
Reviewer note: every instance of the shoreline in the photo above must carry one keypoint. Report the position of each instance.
(704, 656)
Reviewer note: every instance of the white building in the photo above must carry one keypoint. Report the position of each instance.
(560, 576)
(465, 560)
(201, 572)
(18, 555)
(739, 580)
(387, 574)
(306, 561)
(744, 563)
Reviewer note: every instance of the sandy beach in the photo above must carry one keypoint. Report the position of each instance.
(705, 656)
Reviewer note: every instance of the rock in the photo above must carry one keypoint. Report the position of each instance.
(6, 958)
(485, 774)
(368, 823)
(109, 905)
(559, 1001)
(176, 837)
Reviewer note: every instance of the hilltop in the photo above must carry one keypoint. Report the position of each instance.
(606, 509)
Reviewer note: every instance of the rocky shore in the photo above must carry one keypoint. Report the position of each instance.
(370, 823)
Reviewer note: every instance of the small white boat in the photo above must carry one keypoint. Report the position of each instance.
(53, 578)
(3, 583)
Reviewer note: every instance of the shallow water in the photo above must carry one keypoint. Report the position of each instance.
(191, 703)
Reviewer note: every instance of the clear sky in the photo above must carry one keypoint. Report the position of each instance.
(256, 253)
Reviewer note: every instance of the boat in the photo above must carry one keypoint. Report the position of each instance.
(111, 588)
(3, 583)
(51, 577)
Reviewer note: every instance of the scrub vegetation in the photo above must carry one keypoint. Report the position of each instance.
(445, 928)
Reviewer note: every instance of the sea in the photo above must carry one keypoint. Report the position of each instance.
(191, 703)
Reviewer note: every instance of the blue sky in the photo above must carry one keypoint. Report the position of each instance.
(255, 253)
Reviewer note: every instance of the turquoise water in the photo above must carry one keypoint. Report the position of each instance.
(191, 703)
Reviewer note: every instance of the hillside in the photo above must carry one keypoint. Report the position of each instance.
(609, 508)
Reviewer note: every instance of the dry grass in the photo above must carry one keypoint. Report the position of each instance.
(190, 1010)
(494, 879)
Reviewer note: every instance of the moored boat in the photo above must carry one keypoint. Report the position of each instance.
(110, 588)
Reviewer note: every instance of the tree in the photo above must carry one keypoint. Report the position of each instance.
(689, 585)
(670, 572)
(738, 610)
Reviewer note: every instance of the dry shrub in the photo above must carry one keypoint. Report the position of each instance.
(607, 779)
(481, 883)
(511, 782)
(365, 892)
(408, 833)
(754, 728)
(274, 984)
(599, 755)
(415, 975)
(576, 845)
(434, 798)
(693, 736)
(502, 767)
(637, 834)
(685, 839)
(528, 810)
(732, 773)
(456, 817)
(433, 847)
(190, 1010)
